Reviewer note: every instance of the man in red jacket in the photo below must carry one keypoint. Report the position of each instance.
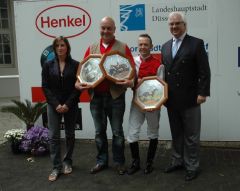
(146, 65)
(108, 101)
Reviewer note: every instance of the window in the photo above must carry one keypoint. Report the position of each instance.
(6, 59)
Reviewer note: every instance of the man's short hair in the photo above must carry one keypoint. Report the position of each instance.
(145, 35)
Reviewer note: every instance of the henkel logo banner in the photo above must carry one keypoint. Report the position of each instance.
(63, 20)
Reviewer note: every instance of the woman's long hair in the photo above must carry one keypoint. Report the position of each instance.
(65, 40)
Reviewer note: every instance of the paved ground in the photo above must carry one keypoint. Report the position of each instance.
(220, 171)
(7, 121)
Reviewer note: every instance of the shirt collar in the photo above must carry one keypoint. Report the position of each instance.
(180, 38)
(111, 42)
(145, 59)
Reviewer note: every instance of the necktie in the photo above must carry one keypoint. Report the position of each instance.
(175, 47)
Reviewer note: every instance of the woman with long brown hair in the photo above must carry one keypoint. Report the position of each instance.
(58, 79)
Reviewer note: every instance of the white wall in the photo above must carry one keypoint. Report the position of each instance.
(9, 86)
(228, 72)
(217, 25)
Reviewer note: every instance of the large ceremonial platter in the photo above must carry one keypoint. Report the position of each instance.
(89, 71)
(151, 93)
(117, 66)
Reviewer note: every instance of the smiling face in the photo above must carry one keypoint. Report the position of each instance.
(176, 25)
(144, 46)
(107, 29)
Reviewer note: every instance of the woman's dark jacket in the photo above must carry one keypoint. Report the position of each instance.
(60, 88)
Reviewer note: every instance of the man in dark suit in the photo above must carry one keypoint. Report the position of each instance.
(187, 73)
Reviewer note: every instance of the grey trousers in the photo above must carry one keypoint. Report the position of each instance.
(185, 129)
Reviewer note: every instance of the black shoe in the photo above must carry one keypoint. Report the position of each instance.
(97, 168)
(121, 170)
(148, 169)
(134, 168)
(173, 168)
(191, 174)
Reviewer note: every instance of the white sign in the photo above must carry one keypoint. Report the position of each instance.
(38, 22)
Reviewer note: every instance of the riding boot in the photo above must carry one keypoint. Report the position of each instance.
(135, 158)
(150, 156)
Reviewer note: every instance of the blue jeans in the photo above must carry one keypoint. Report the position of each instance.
(103, 107)
(54, 120)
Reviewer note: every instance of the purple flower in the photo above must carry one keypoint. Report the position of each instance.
(35, 139)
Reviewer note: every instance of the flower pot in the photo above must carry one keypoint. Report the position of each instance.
(15, 147)
(40, 151)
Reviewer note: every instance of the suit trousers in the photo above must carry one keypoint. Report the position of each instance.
(136, 119)
(185, 128)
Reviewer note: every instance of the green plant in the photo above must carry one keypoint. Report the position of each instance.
(27, 112)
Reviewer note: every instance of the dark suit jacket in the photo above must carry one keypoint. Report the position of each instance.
(188, 74)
